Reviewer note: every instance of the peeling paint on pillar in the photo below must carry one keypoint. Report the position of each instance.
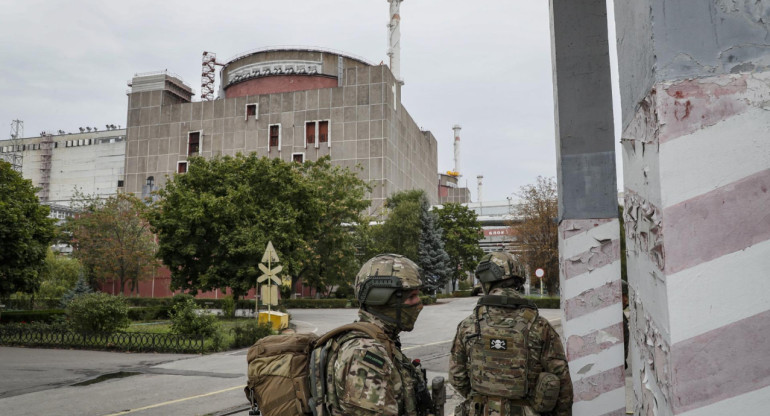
(590, 281)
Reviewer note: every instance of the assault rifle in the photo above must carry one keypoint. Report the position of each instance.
(429, 402)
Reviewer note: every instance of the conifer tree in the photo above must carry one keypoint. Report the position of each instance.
(81, 288)
(432, 257)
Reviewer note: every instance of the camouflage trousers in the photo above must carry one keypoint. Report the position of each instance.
(483, 406)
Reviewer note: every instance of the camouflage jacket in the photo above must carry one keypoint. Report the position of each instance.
(366, 379)
(546, 354)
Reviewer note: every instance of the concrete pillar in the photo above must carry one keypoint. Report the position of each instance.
(695, 88)
(589, 233)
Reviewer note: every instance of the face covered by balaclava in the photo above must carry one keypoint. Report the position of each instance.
(397, 313)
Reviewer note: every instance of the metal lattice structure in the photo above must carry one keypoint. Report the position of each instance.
(16, 156)
(207, 76)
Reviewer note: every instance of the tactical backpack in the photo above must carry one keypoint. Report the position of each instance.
(286, 373)
(499, 356)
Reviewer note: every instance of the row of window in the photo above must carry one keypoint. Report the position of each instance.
(55, 145)
(316, 132)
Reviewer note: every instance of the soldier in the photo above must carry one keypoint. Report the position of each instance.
(507, 360)
(371, 376)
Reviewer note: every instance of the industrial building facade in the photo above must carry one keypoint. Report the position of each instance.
(296, 105)
(62, 164)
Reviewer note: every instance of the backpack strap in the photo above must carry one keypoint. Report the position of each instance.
(320, 354)
(370, 329)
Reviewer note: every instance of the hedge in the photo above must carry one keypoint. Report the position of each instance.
(28, 304)
(149, 313)
(545, 303)
(47, 315)
(318, 303)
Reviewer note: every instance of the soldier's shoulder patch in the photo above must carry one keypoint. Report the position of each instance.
(374, 359)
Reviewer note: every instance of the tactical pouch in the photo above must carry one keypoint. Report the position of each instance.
(546, 392)
(499, 355)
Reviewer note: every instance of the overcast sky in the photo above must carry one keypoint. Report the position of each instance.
(485, 65)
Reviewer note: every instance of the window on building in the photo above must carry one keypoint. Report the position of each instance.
(120, 183)
(193, 142)
(310, 132)
(298, 157)
(323, 131)
(251, 110)
(275, 135)
(181, 167)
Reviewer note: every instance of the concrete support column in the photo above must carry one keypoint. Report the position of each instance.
(695, 88)
(589, 233)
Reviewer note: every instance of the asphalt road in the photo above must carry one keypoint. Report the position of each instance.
(69, 382)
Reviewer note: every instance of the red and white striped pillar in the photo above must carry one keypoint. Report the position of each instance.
(592, 315)
(695, 88)
(589, 232)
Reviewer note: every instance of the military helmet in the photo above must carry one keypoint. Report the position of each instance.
(498, 266)
(383, 275)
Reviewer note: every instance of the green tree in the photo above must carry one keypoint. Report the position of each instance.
(338, 199)
(112, 238)
(81, 288)
(432, 257)
(462, 232)
(214, 222)
(59, 275)
(537, 230)
(25, 233)
(400, 232)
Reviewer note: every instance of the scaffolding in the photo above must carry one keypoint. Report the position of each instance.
(46, 154)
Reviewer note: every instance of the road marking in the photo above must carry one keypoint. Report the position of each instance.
(426, 345)
(315, 328)
(152, 406)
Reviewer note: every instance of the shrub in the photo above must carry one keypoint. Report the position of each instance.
(186, 320)
(98, 312)
(345, 290)
(247, 333)
(427, 300)
(228, 307)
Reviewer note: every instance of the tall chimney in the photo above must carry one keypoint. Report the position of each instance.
(479, 180)
(394, 38)
(457, 128)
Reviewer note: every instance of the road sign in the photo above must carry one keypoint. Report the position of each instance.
(539, 272)
(269, 295)
(270, 254)
(269, 272)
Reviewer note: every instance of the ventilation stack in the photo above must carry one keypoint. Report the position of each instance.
(456, 129)
(394, 38)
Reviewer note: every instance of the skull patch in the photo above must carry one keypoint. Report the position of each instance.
(498, 344)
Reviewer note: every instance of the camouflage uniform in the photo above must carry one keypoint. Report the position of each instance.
(546, 355)
(366, 380)
(362, 376)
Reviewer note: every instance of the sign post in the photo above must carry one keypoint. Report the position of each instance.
(269, 291)
(540, 273)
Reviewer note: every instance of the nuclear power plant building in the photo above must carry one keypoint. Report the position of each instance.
(293, 104)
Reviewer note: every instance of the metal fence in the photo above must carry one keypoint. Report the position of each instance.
(122, 341)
